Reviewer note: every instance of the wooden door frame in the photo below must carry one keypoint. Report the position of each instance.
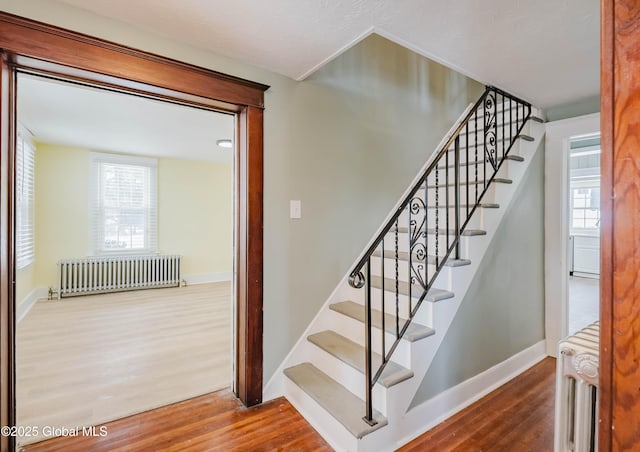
(37, 47)
(619, 384)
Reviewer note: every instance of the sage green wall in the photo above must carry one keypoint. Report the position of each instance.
(503, 311)
(346, 142)
(573, 109)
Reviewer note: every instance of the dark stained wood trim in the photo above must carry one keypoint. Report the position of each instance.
(249, 284)
(620, 247)
(36, 47)
(7, 409)
(42, 41)
(606, 224)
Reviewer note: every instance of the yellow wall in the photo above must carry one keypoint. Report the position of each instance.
(25, 282)
(195, 214)
(62, 202)
(194, 211)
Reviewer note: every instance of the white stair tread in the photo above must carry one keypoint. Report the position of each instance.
(432, 231)
(335, 398)
(416, 291)
(353, 354)
(356, 311)
(431, 260)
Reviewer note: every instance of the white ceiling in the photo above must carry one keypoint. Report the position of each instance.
(546, 51)
(74, 115)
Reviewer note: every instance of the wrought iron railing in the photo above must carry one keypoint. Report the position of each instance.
(426, 228)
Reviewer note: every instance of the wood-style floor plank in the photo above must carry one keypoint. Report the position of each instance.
(516, 417)
(88, 360)
(213, 422)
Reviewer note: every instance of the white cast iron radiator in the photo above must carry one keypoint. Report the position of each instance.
(92, 275)
(576, 426)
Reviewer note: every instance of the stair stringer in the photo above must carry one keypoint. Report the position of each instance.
(417, 356)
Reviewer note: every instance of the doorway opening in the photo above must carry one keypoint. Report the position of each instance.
(584, 231)
(124, 255)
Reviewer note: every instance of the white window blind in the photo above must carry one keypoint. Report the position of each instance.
(123, 204)
(25, 199)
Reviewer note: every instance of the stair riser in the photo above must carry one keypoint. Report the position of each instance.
(354, 330)
(472, 176)
(475, 222)
(403, 243)
(403, 272)
(350, 378)
(322, 421)
(390, 300)
(442, 191)
(507, 109)
(424, 314)
(505, 128)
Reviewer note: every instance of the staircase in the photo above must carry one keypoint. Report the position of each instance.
(356, 370)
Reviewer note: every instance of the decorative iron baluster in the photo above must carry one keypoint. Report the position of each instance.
(368, 418)
(410, 236)
(457, 196)
(466, 129)
(446, 201)
(476, 156)
(490, 130)
(384, 350)
(397, 285)
(437, 204)
(510, 121)
(425, 233)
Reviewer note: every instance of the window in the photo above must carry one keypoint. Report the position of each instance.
(123, 204)
(585, 207)
(25, 199)
(585, 184)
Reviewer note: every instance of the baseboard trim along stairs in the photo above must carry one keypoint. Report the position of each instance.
(323, 376)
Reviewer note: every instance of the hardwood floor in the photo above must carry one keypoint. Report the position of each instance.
(89, 360)
(213, 422)
(516, 417)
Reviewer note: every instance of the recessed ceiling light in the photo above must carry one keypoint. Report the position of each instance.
(224, 143)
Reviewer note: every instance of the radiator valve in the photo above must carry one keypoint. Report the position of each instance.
(52, 292)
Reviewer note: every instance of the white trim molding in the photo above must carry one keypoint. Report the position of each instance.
(434, 411)
(205, 278)
(24, 306)
(556, 221)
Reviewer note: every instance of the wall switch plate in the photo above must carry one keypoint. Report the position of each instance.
(295, 209)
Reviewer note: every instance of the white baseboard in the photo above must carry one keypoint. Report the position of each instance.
(427, 415)
(204, 278)
(25, 305)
